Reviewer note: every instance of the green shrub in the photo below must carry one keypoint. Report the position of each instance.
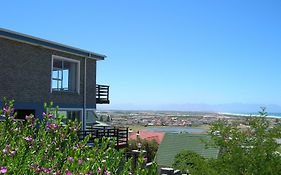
(250, 151)
(150, 146)
(46, 147)
(190, 162)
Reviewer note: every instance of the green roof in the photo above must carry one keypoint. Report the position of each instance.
(173, 143)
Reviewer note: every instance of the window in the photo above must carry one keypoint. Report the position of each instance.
(70, 115)
(65, 74)
(91, 118)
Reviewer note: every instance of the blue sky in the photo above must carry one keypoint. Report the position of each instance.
(167, 52)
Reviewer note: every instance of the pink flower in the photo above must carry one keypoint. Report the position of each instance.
(107, 172)
(52, 126)
(57, 173)
(70, 159)
(28, 138)
(34, 166)
(13, 152)
(3, 170)
(68, 172)
(46, 170)
(80, 162)
(99, 170)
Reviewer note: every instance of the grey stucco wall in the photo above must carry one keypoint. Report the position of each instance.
(25, 75)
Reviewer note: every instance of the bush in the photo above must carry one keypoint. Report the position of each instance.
(150, 146)
(47, 147)
(190, 162)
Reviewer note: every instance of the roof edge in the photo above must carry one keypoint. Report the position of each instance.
(9, 34)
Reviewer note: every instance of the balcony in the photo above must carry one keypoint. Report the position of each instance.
(102, 94)
(120, 135)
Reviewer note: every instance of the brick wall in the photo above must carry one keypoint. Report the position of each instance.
(25, 75)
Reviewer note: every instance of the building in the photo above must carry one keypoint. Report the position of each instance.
(34, 71)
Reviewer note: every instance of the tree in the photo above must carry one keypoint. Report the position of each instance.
(190, 162)
(252, 150)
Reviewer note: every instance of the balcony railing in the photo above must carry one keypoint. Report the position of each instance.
(102, 94)
(119, 134)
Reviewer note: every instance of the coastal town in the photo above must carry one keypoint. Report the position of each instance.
(175, 119)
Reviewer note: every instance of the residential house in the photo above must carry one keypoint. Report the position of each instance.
(34, 71)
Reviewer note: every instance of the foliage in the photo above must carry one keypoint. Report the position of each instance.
(190, 162)
(45, 146)
(150, 146)
(250, 151)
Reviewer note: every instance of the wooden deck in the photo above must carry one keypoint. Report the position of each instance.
(120, 134)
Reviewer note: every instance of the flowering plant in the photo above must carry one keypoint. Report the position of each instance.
(46, 146)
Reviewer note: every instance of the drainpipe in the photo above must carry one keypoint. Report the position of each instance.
(85, 96)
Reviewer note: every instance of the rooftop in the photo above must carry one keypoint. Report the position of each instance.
(8, 34)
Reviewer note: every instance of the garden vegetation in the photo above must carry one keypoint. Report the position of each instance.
(47, 146)
(249, 151)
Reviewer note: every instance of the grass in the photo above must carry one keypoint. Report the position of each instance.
(173, 143)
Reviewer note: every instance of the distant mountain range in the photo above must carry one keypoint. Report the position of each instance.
(230, 107)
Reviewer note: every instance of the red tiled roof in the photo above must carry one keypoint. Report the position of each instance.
(158, 136)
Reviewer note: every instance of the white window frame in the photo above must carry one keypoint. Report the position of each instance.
(69, 60)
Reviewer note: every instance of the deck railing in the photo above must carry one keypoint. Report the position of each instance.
(102, 94)
(119, 134)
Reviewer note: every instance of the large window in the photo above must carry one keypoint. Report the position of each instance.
(71, 115)
(65, 74)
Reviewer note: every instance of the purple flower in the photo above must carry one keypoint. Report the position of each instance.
(46, 170)
(80, 162)
(34, 166)
(5, 151)
(70, 159)
(50, 116)
(28, 138)
(68, 172)
(6, 109)
(3, 170)
(52, 126)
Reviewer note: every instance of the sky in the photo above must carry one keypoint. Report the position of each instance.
(162, 54)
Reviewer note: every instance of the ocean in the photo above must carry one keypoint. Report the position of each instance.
(271, 115)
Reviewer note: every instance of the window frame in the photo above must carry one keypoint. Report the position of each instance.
(56, 57)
